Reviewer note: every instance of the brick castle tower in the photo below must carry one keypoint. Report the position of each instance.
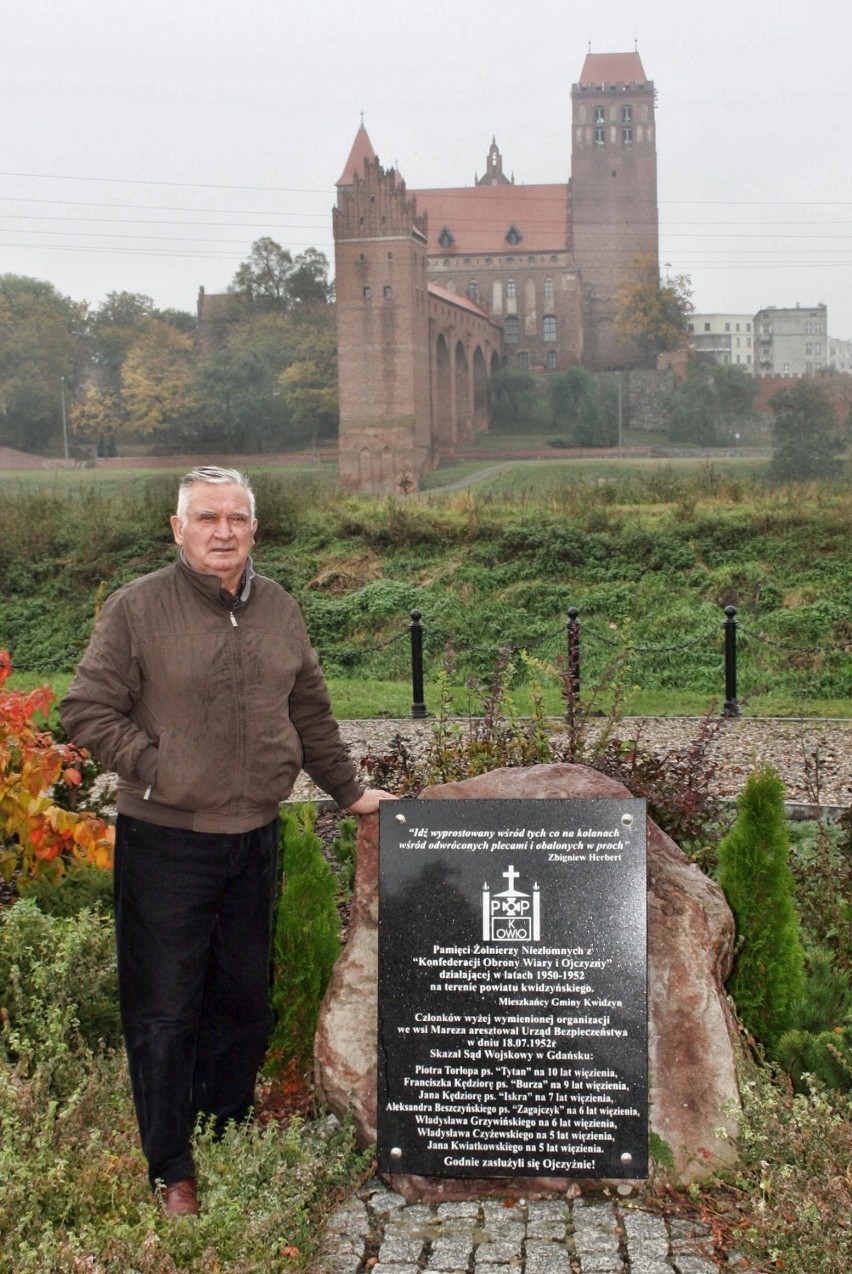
(382, 327)
(613, 191)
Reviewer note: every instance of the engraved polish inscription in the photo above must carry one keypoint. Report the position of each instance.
(513, 988)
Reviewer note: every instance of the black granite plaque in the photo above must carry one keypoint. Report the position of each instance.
(513, 988)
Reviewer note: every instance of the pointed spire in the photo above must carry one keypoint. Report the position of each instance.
(362, 148)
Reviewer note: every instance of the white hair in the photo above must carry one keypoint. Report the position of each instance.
(211, 475)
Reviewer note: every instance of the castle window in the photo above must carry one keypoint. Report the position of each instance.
(388, 291)
(600, 136)
(524, 361)
(510, 289)
(600, 115)
(512, 329)
(473, 290)
(548, 327)
(627, 136)
(551, 360)
(548, 289)
(627, 114)
(513, 235)
(445, 239)
(368, 293)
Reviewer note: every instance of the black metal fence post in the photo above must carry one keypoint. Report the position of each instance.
(418, 707)
(573, 686)
(730, 708)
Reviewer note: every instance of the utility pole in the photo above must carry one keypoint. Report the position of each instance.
(64, 417)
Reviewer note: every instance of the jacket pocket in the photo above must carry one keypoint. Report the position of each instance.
(183, 777)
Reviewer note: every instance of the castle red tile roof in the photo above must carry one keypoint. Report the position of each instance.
(362, 148)
(463, 302)
(480, 217)
(612, 68)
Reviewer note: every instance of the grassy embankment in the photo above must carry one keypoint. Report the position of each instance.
(648, 551)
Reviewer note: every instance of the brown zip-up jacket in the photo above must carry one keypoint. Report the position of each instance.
(206, 707)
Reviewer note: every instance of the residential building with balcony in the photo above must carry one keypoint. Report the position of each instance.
(791, 341)
(727, 338)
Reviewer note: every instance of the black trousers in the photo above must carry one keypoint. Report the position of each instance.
(193, 920)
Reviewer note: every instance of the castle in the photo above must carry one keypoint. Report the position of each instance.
(439, 289)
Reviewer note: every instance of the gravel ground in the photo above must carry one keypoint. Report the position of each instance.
(813, 757)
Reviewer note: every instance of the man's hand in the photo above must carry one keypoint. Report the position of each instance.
(368, 802)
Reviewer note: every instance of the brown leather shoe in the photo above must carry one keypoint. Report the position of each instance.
(181, 1198)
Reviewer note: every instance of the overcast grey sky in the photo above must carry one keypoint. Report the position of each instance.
(147, 143)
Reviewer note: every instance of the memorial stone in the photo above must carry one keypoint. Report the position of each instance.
(513, 1008)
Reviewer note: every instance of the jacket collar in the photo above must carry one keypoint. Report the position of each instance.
(210, 585)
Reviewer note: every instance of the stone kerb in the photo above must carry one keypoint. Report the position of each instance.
(694, 1101)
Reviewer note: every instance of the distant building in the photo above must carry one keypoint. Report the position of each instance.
(840, 355)
(791, 342)
(727, 338)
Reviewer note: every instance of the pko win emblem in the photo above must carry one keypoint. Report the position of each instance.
(511, 916)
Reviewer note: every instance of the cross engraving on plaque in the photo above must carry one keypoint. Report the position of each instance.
(512, 915)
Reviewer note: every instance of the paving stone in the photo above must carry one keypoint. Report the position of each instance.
(401, 1249)
(648, 1265)
(498, 1214)
(602, 1264)
(543, 1257)
(553, 1236)
(547, 1219)
(342, 1260)
(450, 1252)
(685, 1264)
(350, 1216)
(501, 1251)
(463, 1208)
(510, 1267)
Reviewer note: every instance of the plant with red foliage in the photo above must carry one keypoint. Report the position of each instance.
(37, 835)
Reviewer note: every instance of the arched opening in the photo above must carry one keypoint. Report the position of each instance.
(443, 422)
(464, 407)
(480, 391)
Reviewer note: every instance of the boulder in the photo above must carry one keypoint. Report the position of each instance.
(694, 1100)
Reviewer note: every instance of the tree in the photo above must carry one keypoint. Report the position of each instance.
(271, 276)
(585, 407)
(653, 313)
(754, 872)
(308, 283)
(41, 356)
(808, 439)
(516, 403)
(113, 327)
(250, 397)
(711, 404)
(157, 380)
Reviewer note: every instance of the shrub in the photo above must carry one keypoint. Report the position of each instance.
(754, 873)
(819, 1046)
(306, 938)
(793, 1179)
(38, 835)
(83, 888)
(58, 992)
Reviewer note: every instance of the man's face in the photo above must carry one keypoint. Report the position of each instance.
(218, 531)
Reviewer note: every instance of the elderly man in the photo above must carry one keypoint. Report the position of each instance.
(201, 690)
